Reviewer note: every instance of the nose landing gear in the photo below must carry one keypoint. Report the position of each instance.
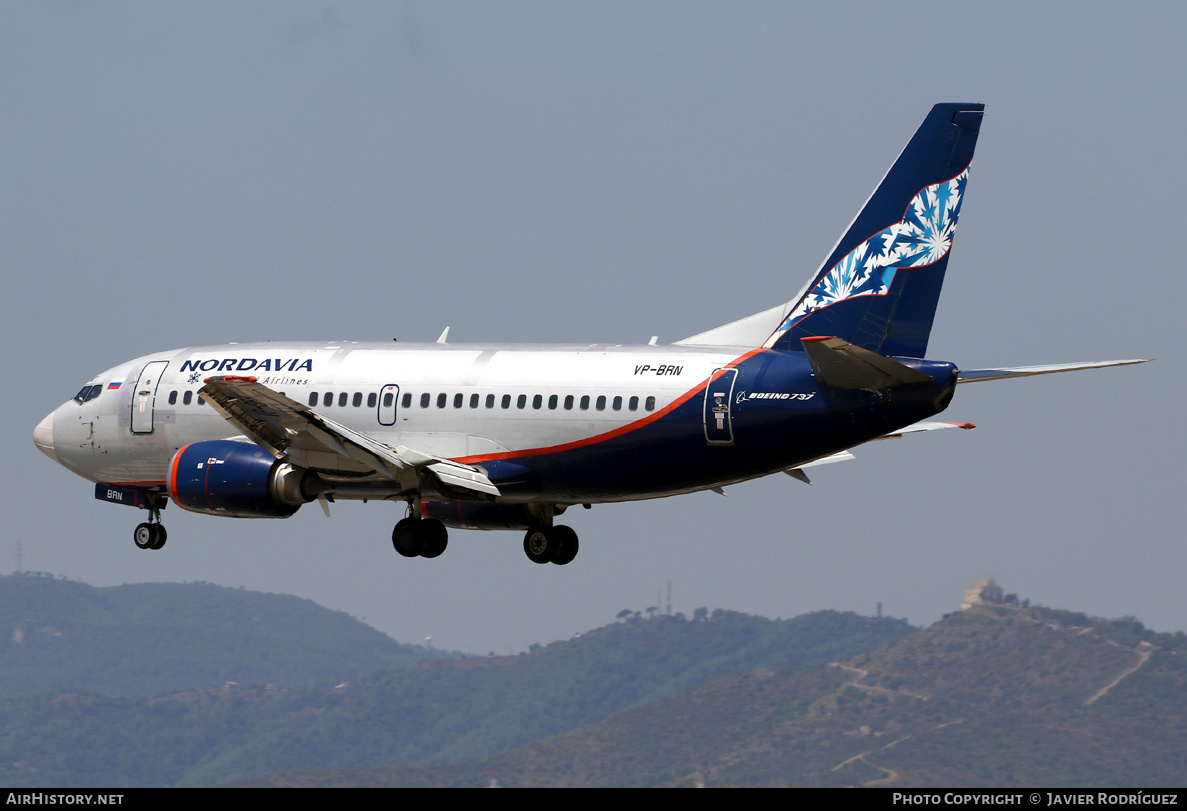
(151, 534)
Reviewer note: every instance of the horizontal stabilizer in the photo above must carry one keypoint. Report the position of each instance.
(842, 365)
(925, 426)
(798, 471)
(839, 456)
(977, 375)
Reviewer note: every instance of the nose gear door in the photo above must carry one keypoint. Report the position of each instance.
(719, 395)
(144, 395)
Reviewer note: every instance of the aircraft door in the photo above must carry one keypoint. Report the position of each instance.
(144, 395)
(389, 398)
(719, 395)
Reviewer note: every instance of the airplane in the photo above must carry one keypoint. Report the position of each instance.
(478, 436)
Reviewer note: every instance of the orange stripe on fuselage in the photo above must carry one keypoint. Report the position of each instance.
(617, 432)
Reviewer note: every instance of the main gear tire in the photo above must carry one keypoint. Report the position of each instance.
(564, 544)
(537, 545)
(407, 538)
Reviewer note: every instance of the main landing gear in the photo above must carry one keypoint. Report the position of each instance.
(420, 537)
(416, 537)
(151, 534)
(556, 544)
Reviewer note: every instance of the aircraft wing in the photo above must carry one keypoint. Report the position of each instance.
(978, 375)
(292, 431)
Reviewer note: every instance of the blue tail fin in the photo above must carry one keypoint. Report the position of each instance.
(879, 287)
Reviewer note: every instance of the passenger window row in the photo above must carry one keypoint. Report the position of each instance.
(187, 397)
(426, 400)
(327, 399)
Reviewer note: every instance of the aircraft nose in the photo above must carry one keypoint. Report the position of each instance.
(43, 437)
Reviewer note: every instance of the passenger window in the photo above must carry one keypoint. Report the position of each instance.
(538, 401)
(328, 399)
(506, 401)
(458, 399)
(633, 404)
(601, 402)
(342, 399)
(568, 402)
(441, 398)
(650, 406)
(585, 402)
(424, 400)
(357, 400)
(473, 401)
(200, 400)
(313, 398)
(490, 401)
(388, 397)
(372, 399)
(173, 398)
(187, 397)
(521, 401)
(552, 403)
(618, 404)
(405, 401)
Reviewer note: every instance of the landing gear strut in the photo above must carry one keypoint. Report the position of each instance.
(420, 537)
(151, 534)
(556, 544)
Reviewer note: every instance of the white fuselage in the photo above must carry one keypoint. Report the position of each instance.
(466, 402)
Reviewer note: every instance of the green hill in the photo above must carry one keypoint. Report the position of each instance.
(156, 638)
(996, 696)
(442, 711)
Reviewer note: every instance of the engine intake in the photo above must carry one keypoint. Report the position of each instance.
(237, 480)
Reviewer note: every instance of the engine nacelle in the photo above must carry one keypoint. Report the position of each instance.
(238, 480)
(479, 515)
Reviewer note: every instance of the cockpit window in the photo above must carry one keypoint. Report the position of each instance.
(88, 393)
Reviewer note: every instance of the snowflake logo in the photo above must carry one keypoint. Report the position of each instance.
(922, 237)
(195, 377)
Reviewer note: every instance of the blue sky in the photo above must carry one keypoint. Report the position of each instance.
(190, 174)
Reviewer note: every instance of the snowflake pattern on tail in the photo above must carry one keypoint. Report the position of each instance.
(922, 237)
